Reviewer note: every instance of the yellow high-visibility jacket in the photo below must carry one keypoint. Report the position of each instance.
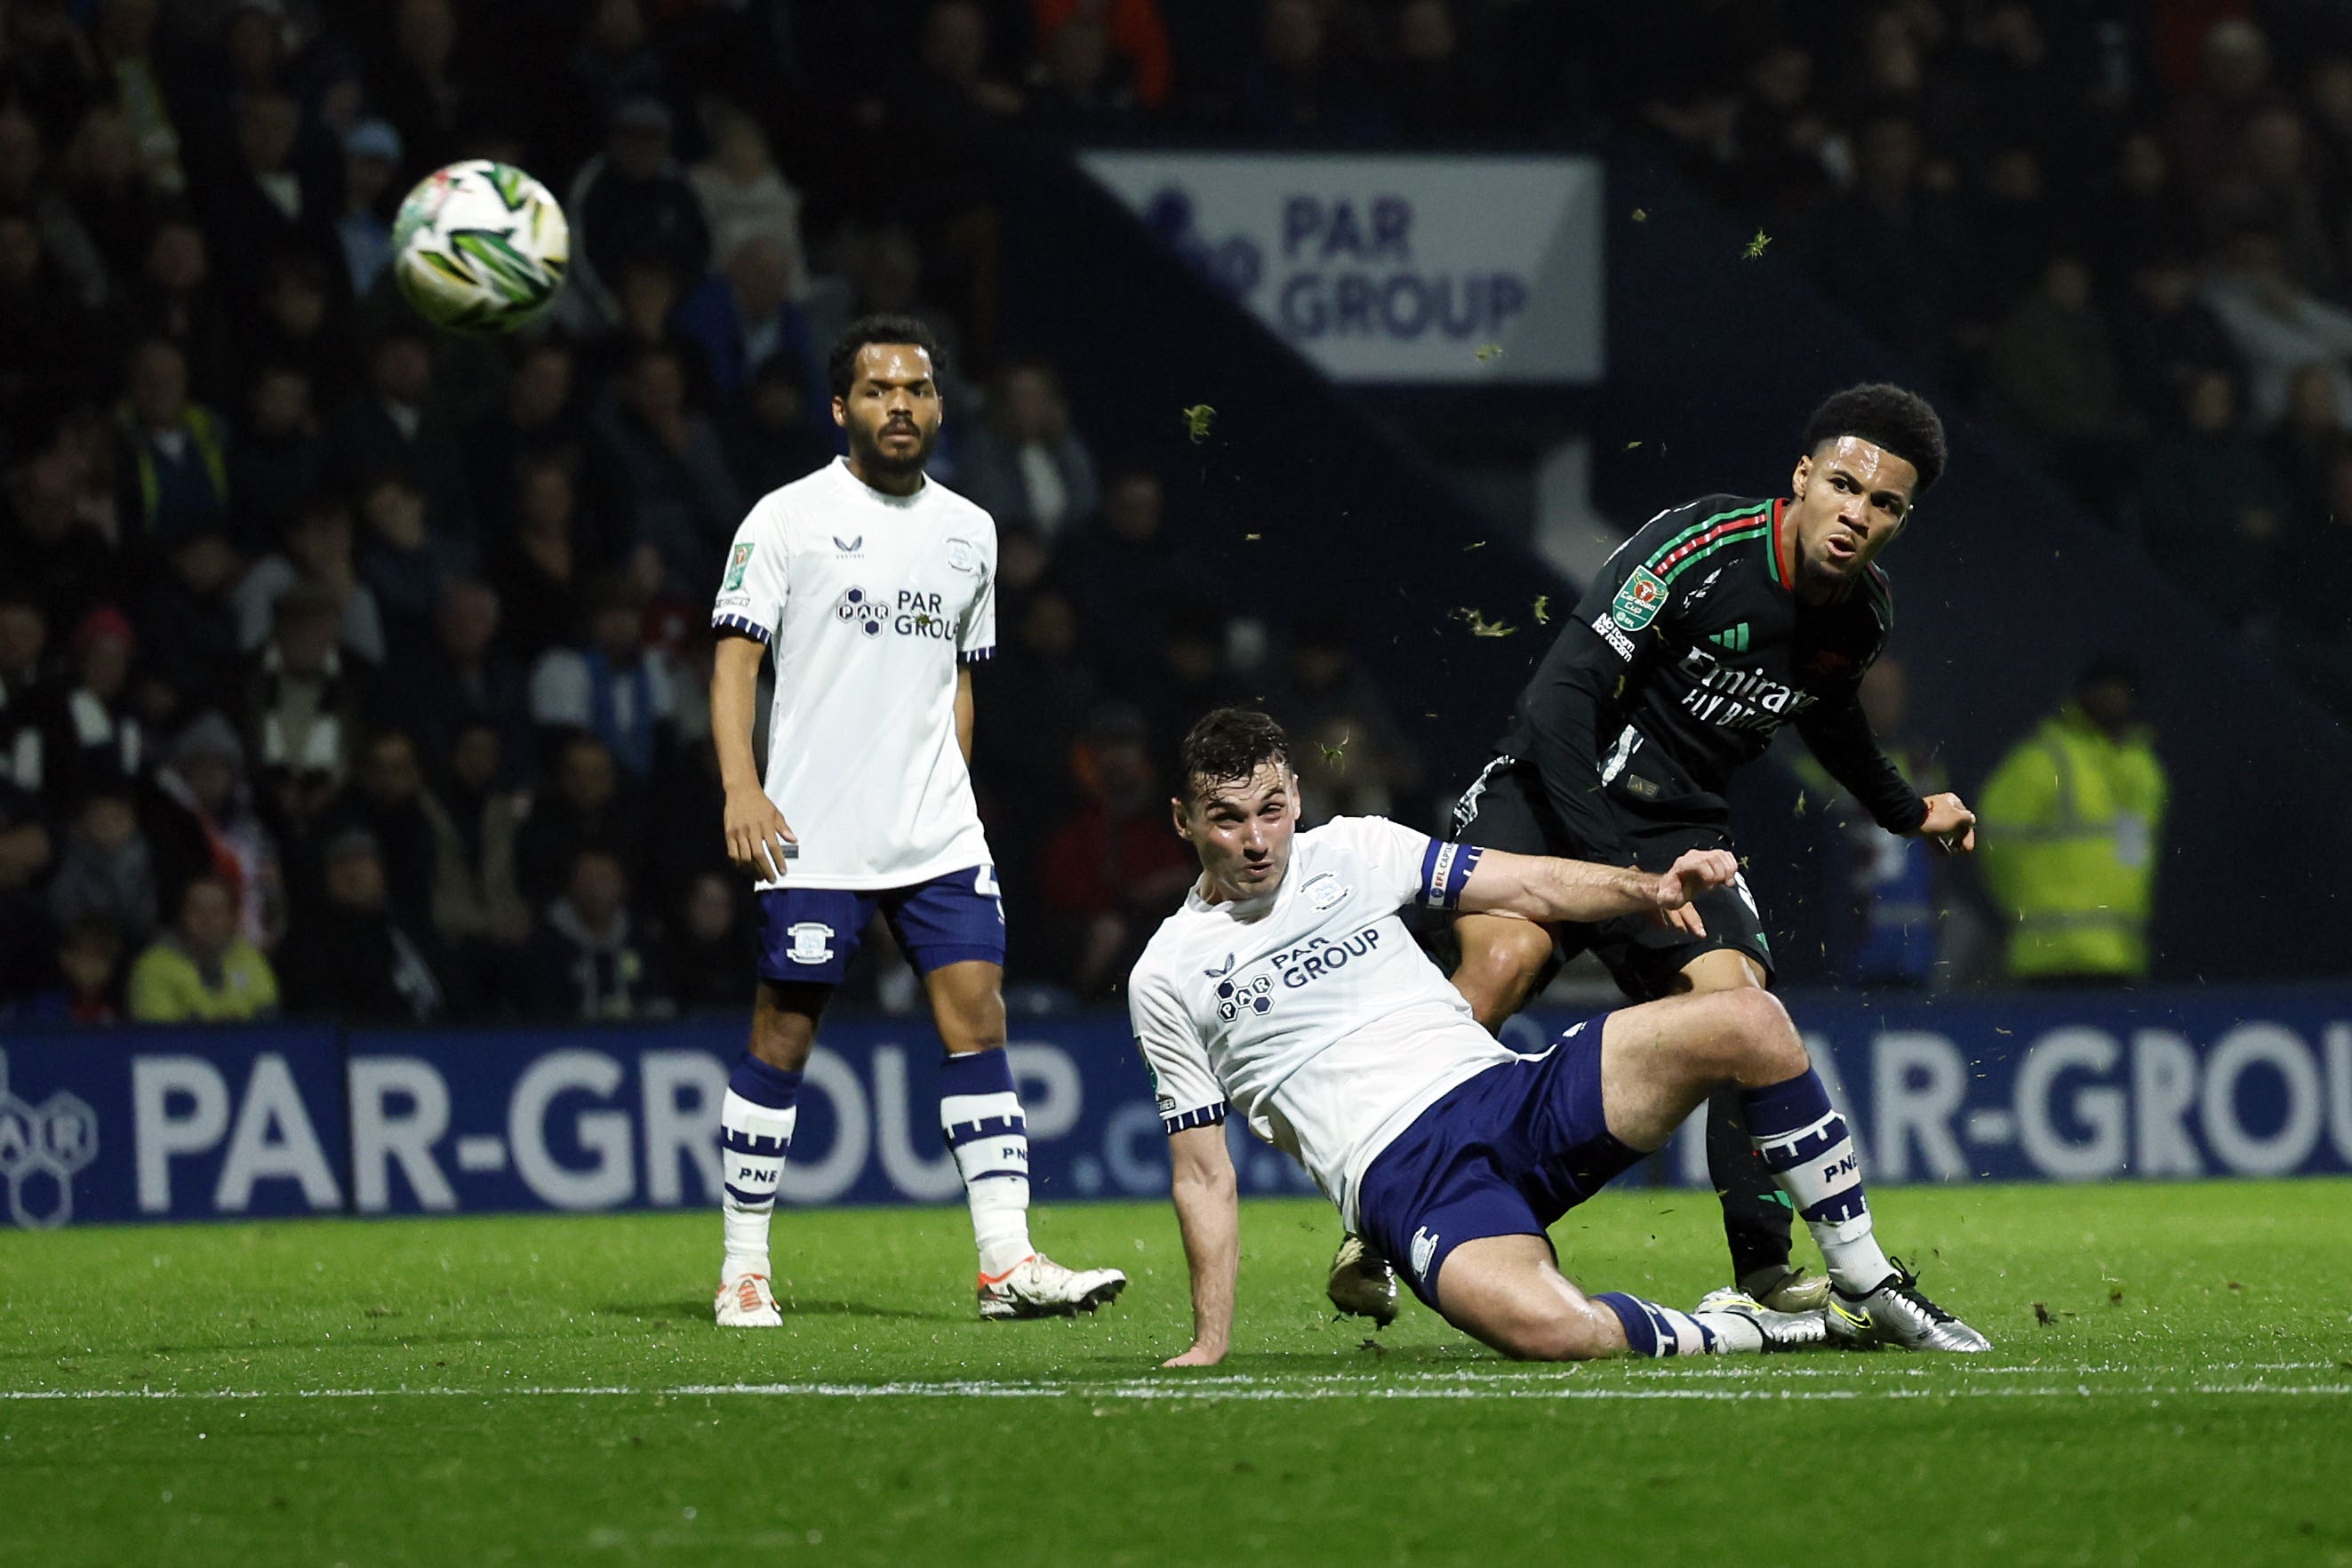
(2071, 821)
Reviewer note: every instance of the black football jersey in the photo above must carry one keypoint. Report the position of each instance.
(1684, 656)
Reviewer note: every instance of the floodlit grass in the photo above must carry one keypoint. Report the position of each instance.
(549, 1388)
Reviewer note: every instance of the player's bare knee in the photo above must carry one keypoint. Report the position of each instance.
(1764, 1045)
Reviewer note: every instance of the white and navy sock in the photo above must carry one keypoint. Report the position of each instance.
(1805, 1145)
(981, 1115)
(755, 1134)
(1655, 1331)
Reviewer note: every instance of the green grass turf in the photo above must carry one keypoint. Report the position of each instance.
(2189, 1399)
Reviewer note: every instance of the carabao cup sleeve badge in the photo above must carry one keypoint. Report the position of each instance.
(1639, 601)
(735, 564)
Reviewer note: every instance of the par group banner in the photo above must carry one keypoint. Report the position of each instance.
(1382, 268)
(227, 1123)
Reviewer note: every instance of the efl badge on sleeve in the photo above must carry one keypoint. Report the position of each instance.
(735, 563)
(1639, 601)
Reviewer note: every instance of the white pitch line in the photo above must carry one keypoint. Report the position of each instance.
(1240, 1388)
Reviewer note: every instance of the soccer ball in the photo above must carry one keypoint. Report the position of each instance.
(480, 247)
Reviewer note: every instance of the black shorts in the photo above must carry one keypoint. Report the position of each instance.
(1505, 808)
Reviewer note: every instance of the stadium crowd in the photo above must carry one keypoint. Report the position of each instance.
(348, 666)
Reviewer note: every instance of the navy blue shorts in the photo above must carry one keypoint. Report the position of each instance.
(808, 935)
(1504, 1153)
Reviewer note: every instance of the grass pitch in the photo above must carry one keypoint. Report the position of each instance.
(2172, 1382)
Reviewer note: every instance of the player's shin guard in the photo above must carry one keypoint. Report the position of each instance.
(981, 1115)
(1757, 1217)
(1805, 1145)
(1655, 1331)
(755, 1134)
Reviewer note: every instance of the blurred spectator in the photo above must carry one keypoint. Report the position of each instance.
(46, 64)
(1116, 867)
(175, 298)
(2315, 590)
(1079, 91)
(2270, 186)
(615, 64)
(372, 155)
(203, 971)
(883, 275)
(189, 616)
(540, 574)
(266, 205)
(24, 188)
(463, 678)
(27, 849)
(111, 197)
(710, 956)
(631, 202)
(125, 36)
(1025, 464)
(645, 297)
(1299, 84)
(1036, 692)
(95, 742)
(744, 198)
(953, 46)
(403, 563)
(1126, 572)
(2303, 445)
(303, 323)
(2011, 218)
(2211, 509)
(417, 87)
(590, 806)
(318, 555)
(2072, 822)
(104, 867)
(395, 423)
(174, 452)
(1130, 32)
(2051, 377)
(2165, 338)
(389, 798)
(302, 698)
(2276, 326)
(354, 958)
(44, 335)
(1436, 88)
(609, 689)
(686, 502)
(278, 459)
(2137, 213)
(543, 418)
(46, 550)
(1784, 151)
(201, 822)
(1888, 921)
(89, 989)
(1891, 250)
(25, 691)
(478, 910)
(1354, 760)
(744, 317)
(2210, 122)
(588, 961)
(1188, 675)
(769, 434)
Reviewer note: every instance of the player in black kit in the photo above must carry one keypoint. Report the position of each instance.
(1716, 624)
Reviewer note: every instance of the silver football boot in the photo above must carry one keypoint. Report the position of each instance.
(1895, 1314)
(1362, 1285)
(1777, 1331)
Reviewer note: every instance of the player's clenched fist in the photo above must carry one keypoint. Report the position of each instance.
(1693, 873)
(757, 834)
(1949, 823)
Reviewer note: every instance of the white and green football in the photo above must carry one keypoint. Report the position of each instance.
(480, 247)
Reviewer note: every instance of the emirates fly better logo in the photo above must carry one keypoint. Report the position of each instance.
(42, 1147)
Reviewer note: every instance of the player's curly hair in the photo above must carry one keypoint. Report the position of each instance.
(1229, 744)
(840, 364)
(1888, 417)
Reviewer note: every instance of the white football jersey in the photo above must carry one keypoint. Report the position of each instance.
(1310, 1011)
(867, 601)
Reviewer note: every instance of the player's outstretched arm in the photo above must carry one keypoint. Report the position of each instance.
(1544, 888)
(756, 833)
(1208, 1215)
